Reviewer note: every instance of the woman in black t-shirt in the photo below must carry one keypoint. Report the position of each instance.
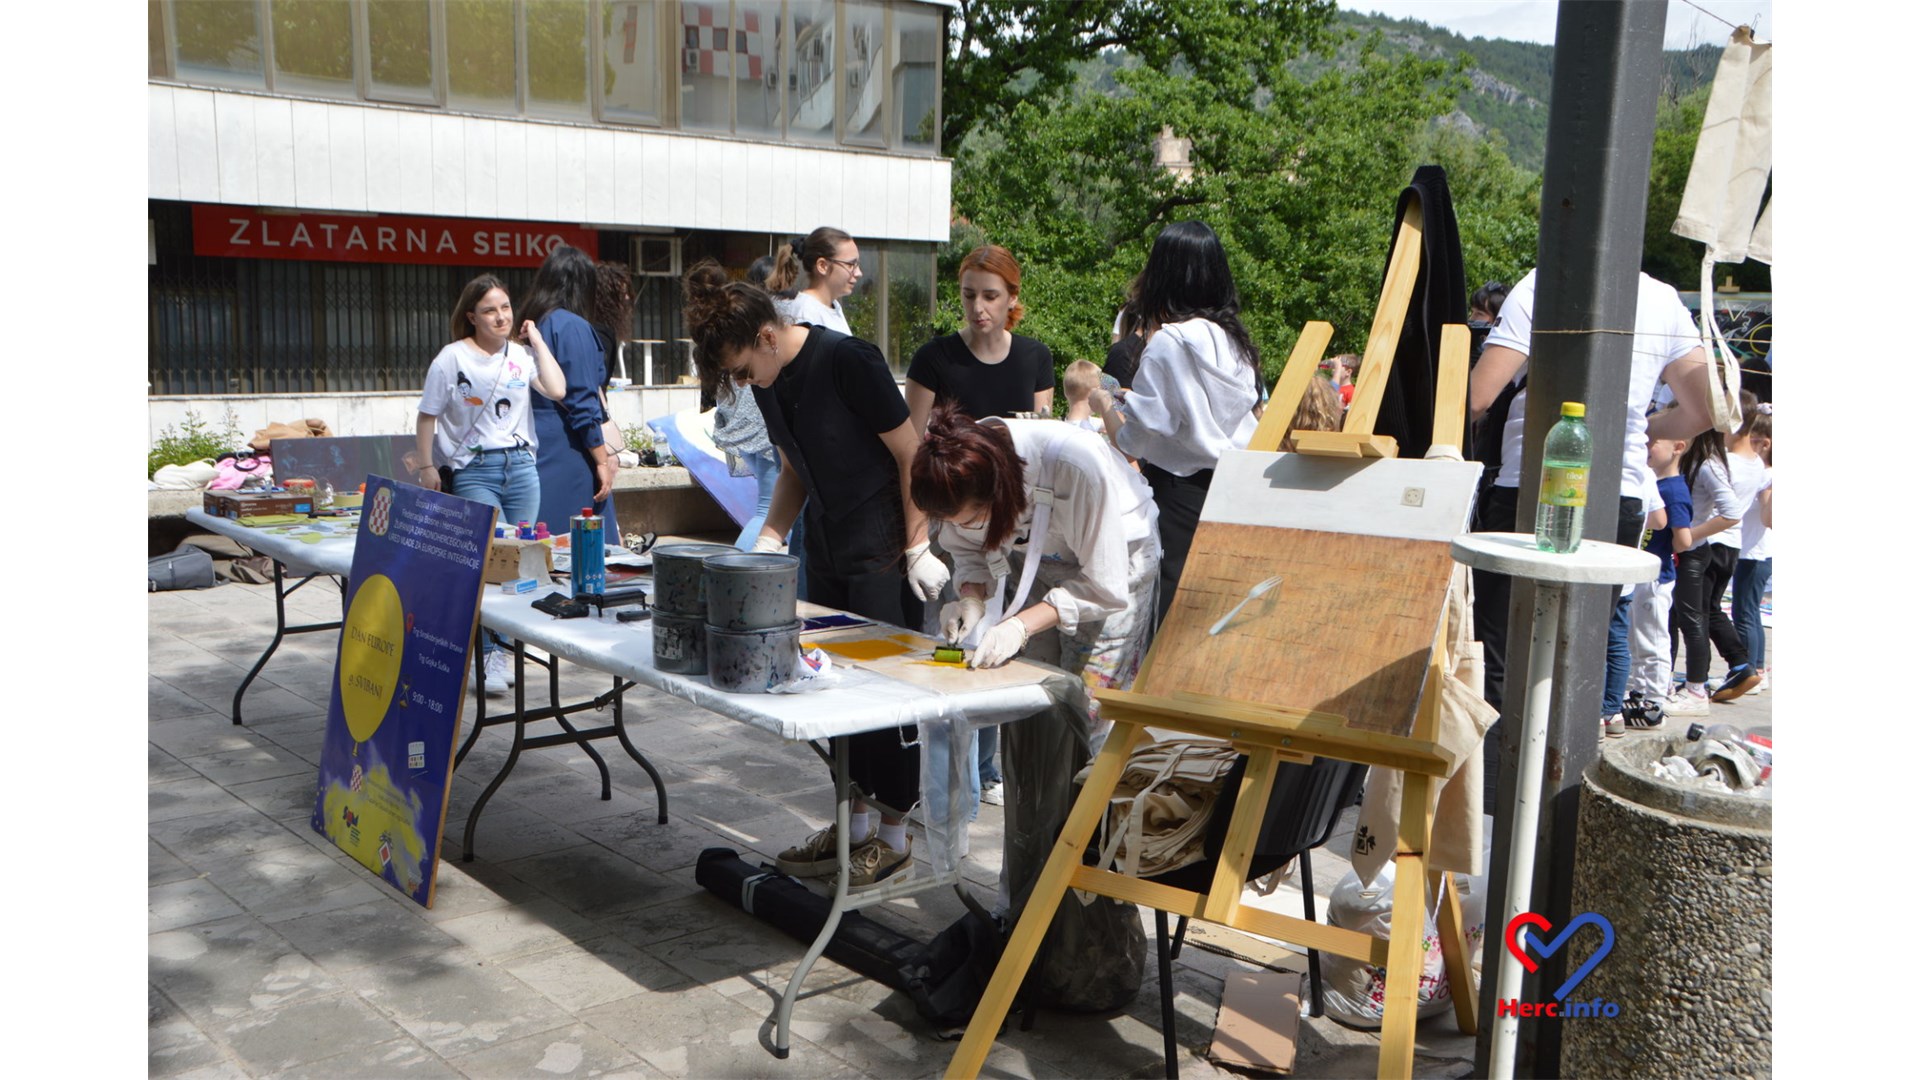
(986, 368)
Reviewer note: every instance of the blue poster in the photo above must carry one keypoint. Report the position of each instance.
(413, 600)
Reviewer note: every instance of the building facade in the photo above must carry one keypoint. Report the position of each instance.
(324, 175)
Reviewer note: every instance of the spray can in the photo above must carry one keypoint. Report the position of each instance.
(589, 552)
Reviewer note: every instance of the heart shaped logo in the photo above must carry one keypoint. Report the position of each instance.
(1517, 944)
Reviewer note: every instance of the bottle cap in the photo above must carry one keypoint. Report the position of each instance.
(586, 511)
(1573, 408)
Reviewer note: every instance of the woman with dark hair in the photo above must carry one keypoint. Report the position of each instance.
(488, 449)
(576, 466)
(846, 445)
(1194, 395)
(829, 260)
(986, 368)
(1085, 597)
(739, 429)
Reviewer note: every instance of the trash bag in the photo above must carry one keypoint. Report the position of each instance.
(1355, 991)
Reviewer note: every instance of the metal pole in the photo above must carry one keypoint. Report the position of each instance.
(1607, 70)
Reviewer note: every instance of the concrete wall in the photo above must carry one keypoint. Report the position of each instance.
(374, 414)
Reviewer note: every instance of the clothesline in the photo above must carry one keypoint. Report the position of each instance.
(1717, 18)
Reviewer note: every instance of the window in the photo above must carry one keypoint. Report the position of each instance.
(757, 56)
(706, 65)
(916, 78)
(400, 50)
(864, 57)
(217, 41)
(630, 67)
(810, 78)
(557, 51)
(313, 46)
(480, 56)
(156, 40)
(910, 277)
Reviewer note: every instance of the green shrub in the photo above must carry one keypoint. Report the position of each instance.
(194, 440)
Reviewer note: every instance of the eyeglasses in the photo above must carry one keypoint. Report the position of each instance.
(851, 264)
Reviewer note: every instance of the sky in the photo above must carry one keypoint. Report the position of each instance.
(1532, 20)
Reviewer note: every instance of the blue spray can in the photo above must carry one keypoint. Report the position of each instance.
(589, 553)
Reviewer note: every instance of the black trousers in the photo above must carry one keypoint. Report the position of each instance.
(855, 564)
(1703, 574)
(1179, 499)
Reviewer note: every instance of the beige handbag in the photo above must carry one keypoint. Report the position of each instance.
(1157, 819)
(610, 433)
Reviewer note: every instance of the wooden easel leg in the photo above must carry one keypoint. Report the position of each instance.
(1045, 899)
(1405, 954)
(1453, 947)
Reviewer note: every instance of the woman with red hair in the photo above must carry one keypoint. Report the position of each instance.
(1084, 599)
(986, 368)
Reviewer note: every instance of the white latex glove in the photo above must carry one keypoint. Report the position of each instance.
(925, 572)
(1000, 644)
(957, 619)
(769, 543)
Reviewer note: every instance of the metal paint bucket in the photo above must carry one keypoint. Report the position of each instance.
(679, 643)
(753, 661)
(680, 577)
(752, 591)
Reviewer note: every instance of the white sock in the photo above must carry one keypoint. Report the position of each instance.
(895, 835)
(858, 824)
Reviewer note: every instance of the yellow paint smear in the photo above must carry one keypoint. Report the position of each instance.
(868, 649)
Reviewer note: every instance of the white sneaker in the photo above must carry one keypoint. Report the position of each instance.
(1688, 702)
(1766, 682)
(496, 673)
(994, 794)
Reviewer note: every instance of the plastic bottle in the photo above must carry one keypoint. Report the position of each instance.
(587, 545)
(540, 530)
(1566, 460)
(663, 450)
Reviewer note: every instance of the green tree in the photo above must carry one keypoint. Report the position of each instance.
(1675, 259)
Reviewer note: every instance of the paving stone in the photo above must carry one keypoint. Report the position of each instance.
(184, 903)
(221, 834)
(657, 847)
(225, 1071)
(202, 732)
(456, 1002)
(163, 767)
(567, 795)
(505, 932)
(402, 1057)
(168, 702)
(273, 1041)
(577, 1050)
(190, 798)
(218, 971)
(162, 867)
(176, 1044)
(772, 770)
(376, 932)
(507, 832)
(583, 974)
(286, 799)
(742, 960)
(290, 882)
(672, 919)
(230, 767)
(461, 889)
(590, 879)
(694, 1031)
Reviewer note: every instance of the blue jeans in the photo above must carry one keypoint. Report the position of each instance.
(1750, 580)
(989, 746)
(506, 479)
(1632, 522)
(766, 470)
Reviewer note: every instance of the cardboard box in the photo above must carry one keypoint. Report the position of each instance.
(509, 559)
(239, 504)
(1259, 1024)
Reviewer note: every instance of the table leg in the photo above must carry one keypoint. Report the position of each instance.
(513, 755)
(281, 629)
(620, 729)
(842, 815)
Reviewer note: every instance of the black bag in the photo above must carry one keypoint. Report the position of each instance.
(185, 567)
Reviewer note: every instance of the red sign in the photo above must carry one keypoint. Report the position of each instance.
(245, 233)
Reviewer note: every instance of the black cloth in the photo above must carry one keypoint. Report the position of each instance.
(827, 409)
(1699, 586)
(948, 368)
(1439, 297)
(1179, 499)
(1123, 359)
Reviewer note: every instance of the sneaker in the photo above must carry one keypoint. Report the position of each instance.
(874, 862)
(1687, 702)
(1766, 682)
(814, 856)
(1613, 727)
(1738, 681)
(1642, 713)
(496, 674)
(994, 794)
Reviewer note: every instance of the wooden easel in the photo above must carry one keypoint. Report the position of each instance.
(1181, 688)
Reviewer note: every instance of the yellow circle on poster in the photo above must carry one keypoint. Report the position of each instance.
(370, 646)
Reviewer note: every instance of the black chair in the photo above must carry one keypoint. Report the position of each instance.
(1305, 804)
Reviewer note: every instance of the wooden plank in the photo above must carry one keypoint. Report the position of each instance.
(1354, 619)
(1230, 870)
(1288, 929)
(1389, 315)
(1450, 387)
(1293, 739)
(1044, 900)
(1345, 444)
(1453, 949)
(1406, 952)
(1302, 364)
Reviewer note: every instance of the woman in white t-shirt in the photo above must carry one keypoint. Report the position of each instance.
(1727, 476)
(829, 261)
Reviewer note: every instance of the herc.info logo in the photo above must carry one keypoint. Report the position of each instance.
(1518, 941)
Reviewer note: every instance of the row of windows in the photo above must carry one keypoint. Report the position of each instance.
(838, 72)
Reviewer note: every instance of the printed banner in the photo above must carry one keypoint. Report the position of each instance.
(247, 233)
(413, 600)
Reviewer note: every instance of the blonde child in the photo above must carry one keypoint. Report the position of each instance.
(1080, 380)
(1320, 410)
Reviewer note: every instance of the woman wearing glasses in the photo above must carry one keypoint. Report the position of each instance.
(846, 448)
(830, 262)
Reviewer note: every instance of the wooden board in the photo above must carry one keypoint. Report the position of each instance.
(1348, 631)
(912, 664)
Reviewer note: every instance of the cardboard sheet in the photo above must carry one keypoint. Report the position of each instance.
(1259, 1024)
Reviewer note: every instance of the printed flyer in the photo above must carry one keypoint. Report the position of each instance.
(413, 600)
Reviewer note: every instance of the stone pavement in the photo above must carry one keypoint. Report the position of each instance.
(577, 943)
